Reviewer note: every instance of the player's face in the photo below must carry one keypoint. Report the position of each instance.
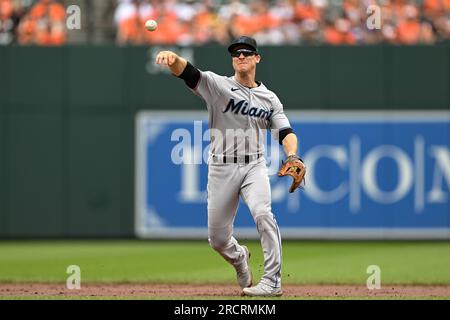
(244, 60)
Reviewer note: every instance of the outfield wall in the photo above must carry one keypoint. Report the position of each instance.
(67, 118)
(370, 175)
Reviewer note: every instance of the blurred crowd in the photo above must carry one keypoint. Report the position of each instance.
(283, 21)
(271, 22)
(41, 22)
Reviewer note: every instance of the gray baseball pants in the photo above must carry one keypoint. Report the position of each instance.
(226, 182)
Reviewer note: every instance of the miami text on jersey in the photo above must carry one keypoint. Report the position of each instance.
(242, 106)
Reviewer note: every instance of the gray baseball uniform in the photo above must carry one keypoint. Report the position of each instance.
(238, 119)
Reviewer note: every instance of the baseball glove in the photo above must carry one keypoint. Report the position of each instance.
(294, 167)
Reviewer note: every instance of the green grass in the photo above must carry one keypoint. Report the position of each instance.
(304, 262)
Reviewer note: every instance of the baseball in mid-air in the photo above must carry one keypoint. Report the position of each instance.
(151, 25)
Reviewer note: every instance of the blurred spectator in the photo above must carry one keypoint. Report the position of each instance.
(409, 28)
(130, 18)
(271, 22)
(170, 28)
(233, 8)
(203, 26)
(130, 8)
(277, 22)
(339, 33)
(44, 24)
(436, 8)
(261, 23)
(6, 22)
(305, 9)
(442, 25)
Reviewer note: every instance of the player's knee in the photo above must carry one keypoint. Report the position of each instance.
(266, 222)
(260, 209)
(218, 242)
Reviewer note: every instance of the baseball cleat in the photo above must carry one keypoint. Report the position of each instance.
(243, 273)
(262, 290)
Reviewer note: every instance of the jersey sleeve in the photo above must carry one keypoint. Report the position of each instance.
(208, 86)
(278, 121)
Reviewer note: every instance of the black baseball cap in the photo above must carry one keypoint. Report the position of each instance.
(244, 40)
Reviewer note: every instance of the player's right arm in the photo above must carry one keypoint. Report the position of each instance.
(179, 67)
(201, 83)
(174, 62)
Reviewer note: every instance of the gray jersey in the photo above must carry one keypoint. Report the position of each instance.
(239, 116)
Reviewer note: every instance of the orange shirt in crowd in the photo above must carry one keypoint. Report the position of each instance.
(436, 6)
(132, 30)
(408, 32)
(335, 37)
(45, 24)
(306, 11)
(255, 23)
(6, 9)
(26, 34)
(169, 28)
(54, 10)
(202, 26)
(243, 25)
(397, 7)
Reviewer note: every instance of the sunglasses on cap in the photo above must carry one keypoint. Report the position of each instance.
(245, 52)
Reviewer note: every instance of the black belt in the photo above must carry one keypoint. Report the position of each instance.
(247, 159)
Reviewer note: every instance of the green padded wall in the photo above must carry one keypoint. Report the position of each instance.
(67, 117)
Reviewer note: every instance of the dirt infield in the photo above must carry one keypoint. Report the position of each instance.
(216, 290)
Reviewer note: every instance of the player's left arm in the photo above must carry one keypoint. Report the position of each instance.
(293, 165)
(290, 144)
(286, 136)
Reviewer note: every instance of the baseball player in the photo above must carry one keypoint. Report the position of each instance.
(240, 109)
